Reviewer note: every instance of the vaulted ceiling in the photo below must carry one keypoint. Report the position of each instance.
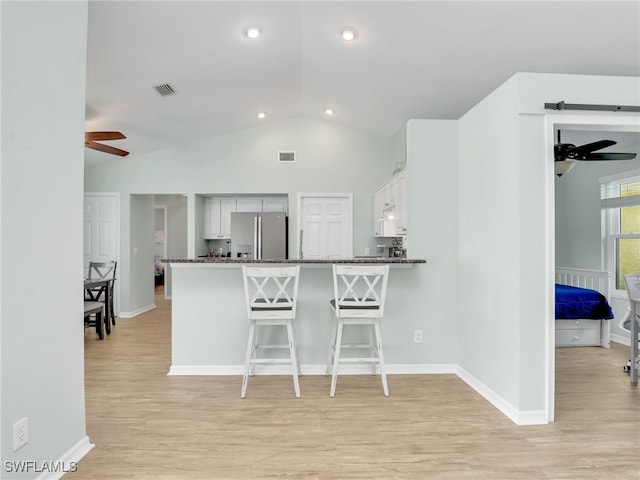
(415, 59)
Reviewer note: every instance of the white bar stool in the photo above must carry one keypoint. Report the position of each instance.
(271, 296)
(359, 298)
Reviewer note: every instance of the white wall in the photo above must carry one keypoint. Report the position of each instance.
(432, 167)
(330, 158)
(141, 254)
(488, 243)
(43, 84)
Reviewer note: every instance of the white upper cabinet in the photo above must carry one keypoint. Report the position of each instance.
(389, 207)
(218, 210)
(274, 204)
(248, 204)
(217, 217)
(401, 203)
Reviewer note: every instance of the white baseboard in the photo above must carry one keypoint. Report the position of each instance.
(68, 462)
(519, 417)
(526, 417)
(621, 339)
(393, 369)
(137, 312)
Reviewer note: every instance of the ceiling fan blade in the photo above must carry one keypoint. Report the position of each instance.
(591, 147)
(105, 148)
(100, 136)
(608, 156)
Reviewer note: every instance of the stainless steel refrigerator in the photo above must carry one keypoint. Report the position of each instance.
(259, 236)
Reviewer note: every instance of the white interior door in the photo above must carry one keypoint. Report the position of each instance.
(101, 221)
(325, 226)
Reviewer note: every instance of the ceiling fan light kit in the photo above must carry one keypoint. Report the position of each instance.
(563, 166)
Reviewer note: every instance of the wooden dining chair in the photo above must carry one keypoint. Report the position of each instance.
(271, 296)
(93, 316)
(359, 297)
(104, 271)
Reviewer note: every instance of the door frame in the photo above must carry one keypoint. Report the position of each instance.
(614, 121)
(116, 196)
(299, 219)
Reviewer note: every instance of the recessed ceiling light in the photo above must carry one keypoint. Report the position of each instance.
(261, 115)
(329, 111)
(252, 31)
(348, 33)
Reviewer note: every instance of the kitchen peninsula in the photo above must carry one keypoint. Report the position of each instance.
(209, 325)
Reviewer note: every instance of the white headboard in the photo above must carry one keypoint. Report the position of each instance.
(579, 277)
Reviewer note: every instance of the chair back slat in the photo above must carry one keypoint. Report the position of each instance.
(360, 289)
(271, 289)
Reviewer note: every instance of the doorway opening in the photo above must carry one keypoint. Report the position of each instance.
(568, 218)
(160, 246)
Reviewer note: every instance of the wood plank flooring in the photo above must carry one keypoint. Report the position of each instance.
(147, 425)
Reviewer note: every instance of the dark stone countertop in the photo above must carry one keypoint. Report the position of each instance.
(357, 260)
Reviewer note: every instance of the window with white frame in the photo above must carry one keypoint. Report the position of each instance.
(620, 197)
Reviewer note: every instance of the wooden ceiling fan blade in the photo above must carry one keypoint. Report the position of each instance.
(100, 136)
(106, 148)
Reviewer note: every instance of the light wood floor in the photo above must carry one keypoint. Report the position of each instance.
(147, 425)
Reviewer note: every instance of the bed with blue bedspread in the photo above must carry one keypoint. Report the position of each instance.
(582, 308)
(575, 303)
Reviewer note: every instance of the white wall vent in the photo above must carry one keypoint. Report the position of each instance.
(286, 157)
(165, 89)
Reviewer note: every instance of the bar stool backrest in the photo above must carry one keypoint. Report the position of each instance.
(271, 292)
(360, 290)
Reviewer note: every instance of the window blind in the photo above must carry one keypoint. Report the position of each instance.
(624, 192)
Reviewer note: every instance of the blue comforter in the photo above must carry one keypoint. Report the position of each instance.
(574, 303)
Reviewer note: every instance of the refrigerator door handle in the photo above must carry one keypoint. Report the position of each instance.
(257, 222)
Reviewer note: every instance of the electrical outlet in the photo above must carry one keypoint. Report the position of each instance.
(417, 336)
(20, 433)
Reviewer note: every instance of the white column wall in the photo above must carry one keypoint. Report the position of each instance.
(432, 166)
(41, 190)
(488, 244)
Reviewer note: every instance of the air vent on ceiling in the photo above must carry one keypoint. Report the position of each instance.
(286, 157)
(165, 89)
